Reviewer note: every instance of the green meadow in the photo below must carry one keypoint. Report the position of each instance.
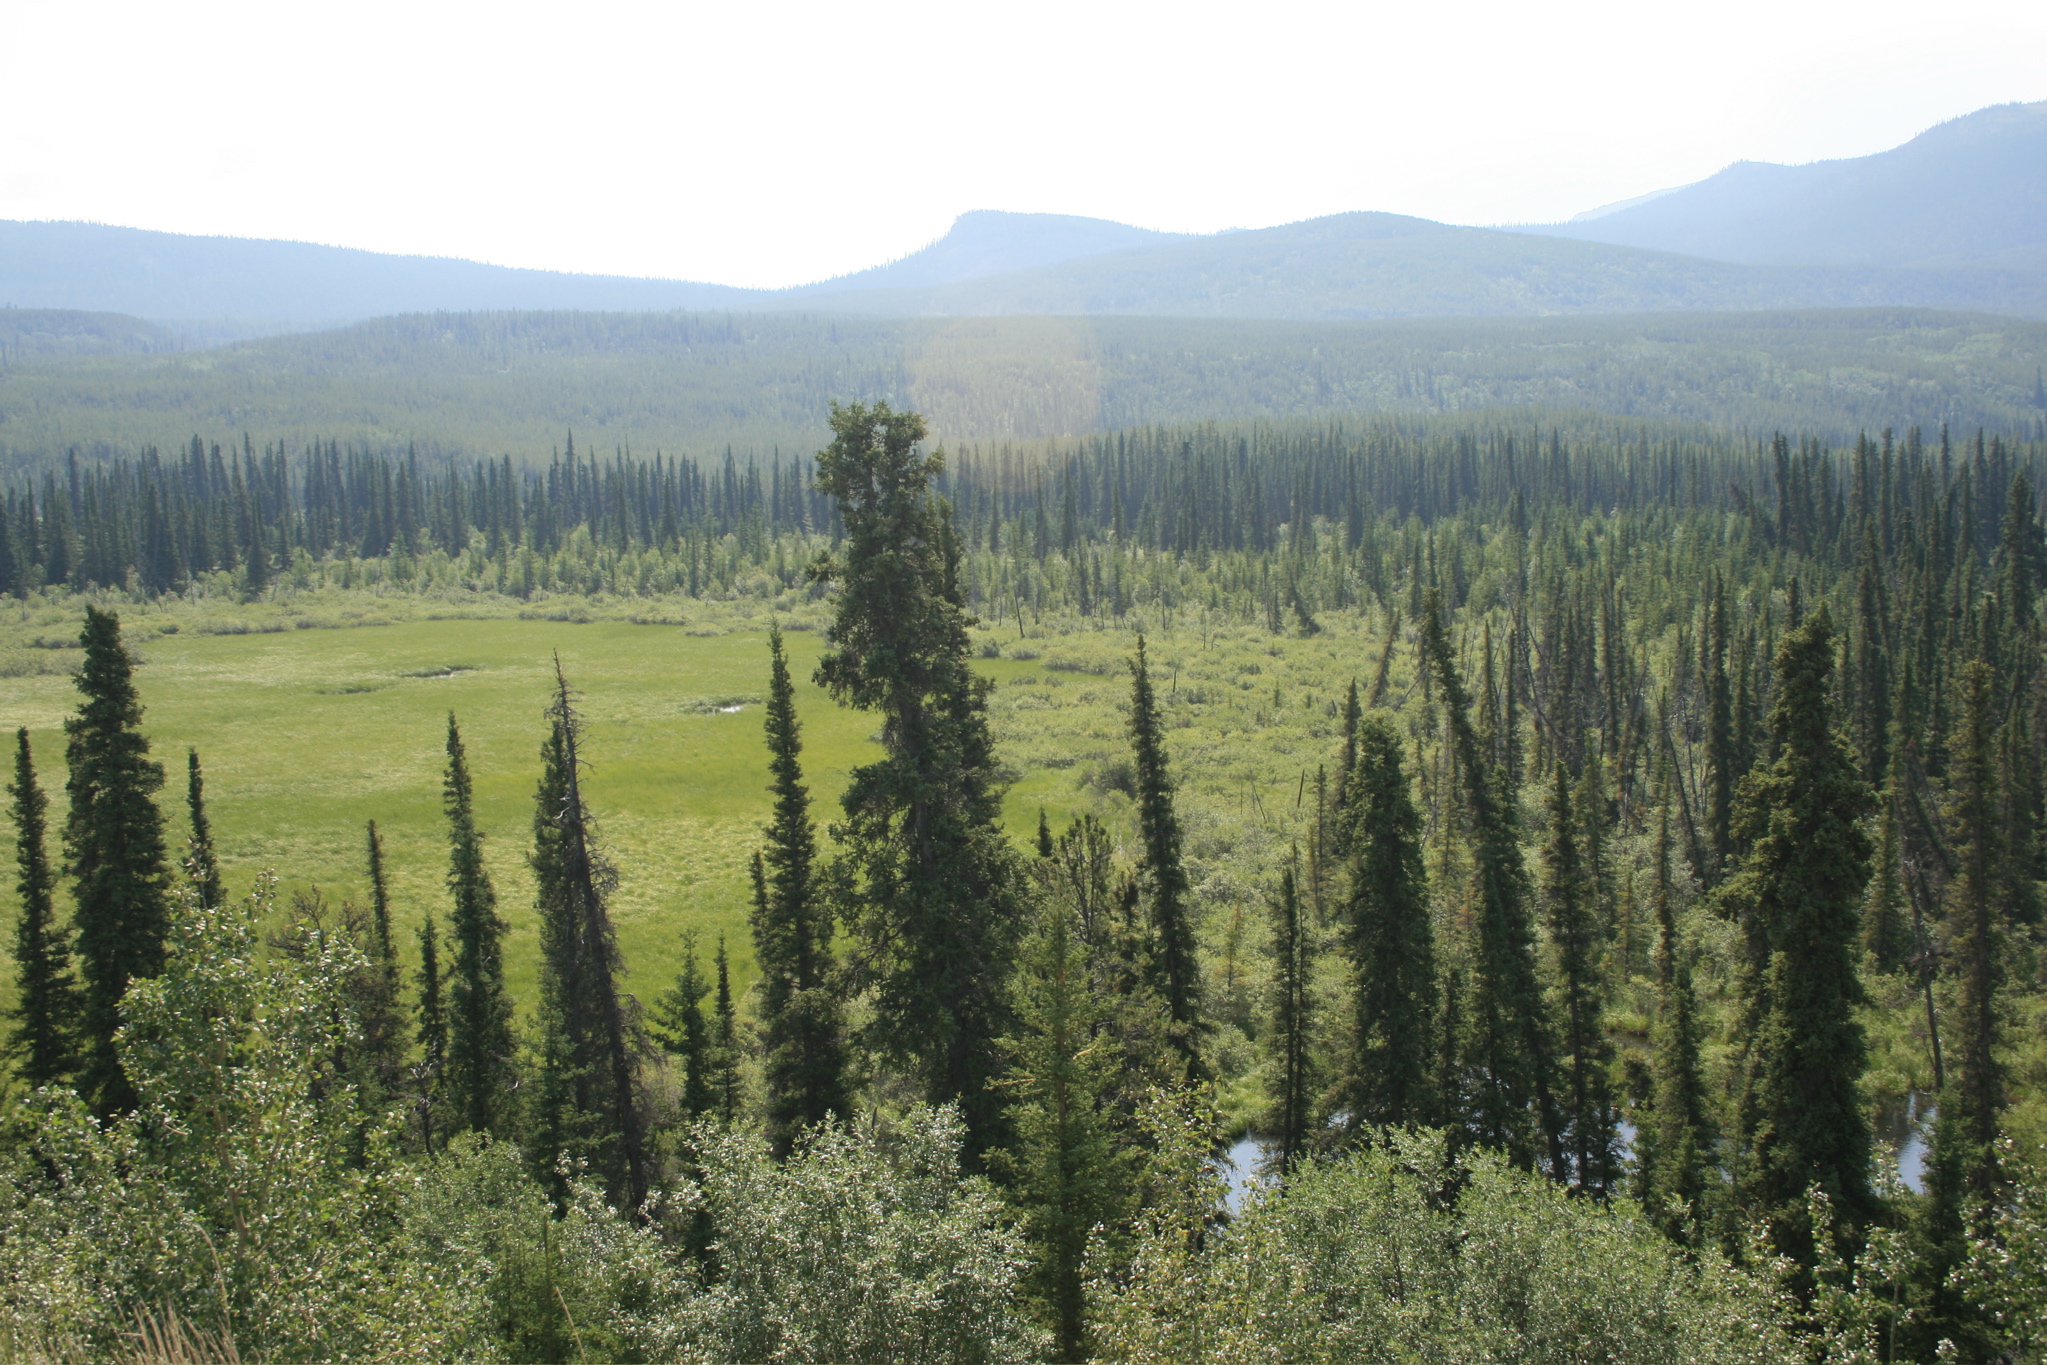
(306, 734)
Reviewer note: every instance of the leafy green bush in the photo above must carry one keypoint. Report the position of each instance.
(246, 1195)
(868, 1244)
(253, 1200)
(1398, 1252)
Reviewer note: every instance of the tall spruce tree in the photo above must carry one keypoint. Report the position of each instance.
(1870, 715)
(1389, 940)
(593, 1065)
(1509, 1051)
(1586, 1054)
(1800, 888)
(725, 1073)
(114, 845)
(1885, 937)
(200, 863)
(1346, 765)
(1291, 1118)
(1722, 762)
(1975, 1095)
(1163, 874)
(480, 1044)
(1677, 1143)
(685, 1034)
(1961, 1170)
(1066, 1169)
(934, 898)
(431, 1073)
(802, 1019)
(380, 1010)
(44, 1039)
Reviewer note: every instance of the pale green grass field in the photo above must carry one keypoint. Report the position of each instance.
(307, 734)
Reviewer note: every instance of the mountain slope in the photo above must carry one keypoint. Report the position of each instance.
(222, 288)
(1345, 266)
(1383, 265)
(1970, 192)
(267, 285)
(988, 242)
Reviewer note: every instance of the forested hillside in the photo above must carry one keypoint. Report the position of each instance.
(1658, 828)
(33, 332)
(480, 386)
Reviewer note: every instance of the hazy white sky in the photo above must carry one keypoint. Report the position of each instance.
(775, 143)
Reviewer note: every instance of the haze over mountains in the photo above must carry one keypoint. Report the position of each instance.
(1955, 218)
(1971, 192)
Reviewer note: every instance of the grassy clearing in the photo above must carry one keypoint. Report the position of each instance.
(307, 734)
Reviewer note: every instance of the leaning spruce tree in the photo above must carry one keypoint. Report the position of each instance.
(45, 1014)
(480, 1045)
(1800, 891)
(1508, 1048)
(934, 896)
(114, 844)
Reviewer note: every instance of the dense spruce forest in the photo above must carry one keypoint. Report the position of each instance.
(1669, 830)
(473, 385)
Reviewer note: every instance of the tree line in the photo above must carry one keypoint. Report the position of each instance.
(170, 523)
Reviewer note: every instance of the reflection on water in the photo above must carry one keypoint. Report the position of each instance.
(1239, 1168)
(1903, 1128)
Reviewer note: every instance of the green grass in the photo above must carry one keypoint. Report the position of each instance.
(307, 734)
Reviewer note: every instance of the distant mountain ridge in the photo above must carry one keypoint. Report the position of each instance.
(221, 288)
(1351, 266)
(1955, 219)
(201, 283)
(986, 242)
(1970, 192)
